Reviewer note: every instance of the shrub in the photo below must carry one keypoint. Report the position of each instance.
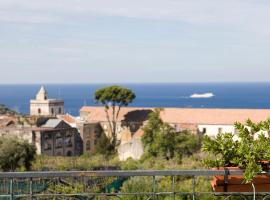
(130, 164)
(137, 184)
(104, 146)
(247, 151)
(161, 140)
(16, 154)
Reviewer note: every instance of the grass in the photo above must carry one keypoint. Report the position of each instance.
(95, 162)
(134, 184)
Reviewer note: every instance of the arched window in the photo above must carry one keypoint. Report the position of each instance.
(88, 145)
(39, 111)
(59, 110)
(52, 111)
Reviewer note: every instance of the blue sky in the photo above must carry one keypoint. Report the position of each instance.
(94, 41)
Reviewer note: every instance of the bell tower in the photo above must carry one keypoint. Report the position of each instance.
(43, 106)
(42, 94)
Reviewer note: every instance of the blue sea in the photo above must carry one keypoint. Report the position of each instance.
(226, 95)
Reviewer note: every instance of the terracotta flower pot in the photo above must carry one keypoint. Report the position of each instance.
(236, 183)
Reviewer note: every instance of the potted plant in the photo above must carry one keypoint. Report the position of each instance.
(248, 150)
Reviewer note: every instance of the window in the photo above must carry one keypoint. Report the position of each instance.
(58, 135)
(47, 146)
(59, 143)
(88, 145)
(204, 130)
(69, 153)
(68, 134)
(96, 131)
(47, 136)
(59, 110)
(39, 111)
(219, 130)
(68, 142)
(52, 111)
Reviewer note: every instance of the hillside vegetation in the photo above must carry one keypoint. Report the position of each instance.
(6, 111)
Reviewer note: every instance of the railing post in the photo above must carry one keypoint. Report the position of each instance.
(193, 187)
(11, 188)
(84, 184)
(31, 188)
(173, 187)
(154, 187)
(226, 180)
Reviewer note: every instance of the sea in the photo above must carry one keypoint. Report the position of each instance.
(180, 95)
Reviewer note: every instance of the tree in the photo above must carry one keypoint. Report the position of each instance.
(114, 98)
(161, 139)
(15, 154)
(104, 146)
(151, 132)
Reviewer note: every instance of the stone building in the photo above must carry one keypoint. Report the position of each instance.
(42, 106)
(130, 119)
(51, 136)
(90, 132)
(197, 121)
(128, 128)
(59, 139)
(12, 126)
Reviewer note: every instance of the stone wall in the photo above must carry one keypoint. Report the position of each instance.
(22, 133)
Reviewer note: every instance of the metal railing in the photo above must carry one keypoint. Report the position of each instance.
(94, 184)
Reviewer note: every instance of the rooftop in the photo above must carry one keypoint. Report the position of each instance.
(52, 123)
(67, 118)
(182, 115)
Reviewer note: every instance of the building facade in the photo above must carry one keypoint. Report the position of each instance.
(59, 139)
(90, 133)
(11, 126)
(42, 106)
(197, 121)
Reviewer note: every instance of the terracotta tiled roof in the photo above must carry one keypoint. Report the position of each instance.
(185, 115)
(67, 118)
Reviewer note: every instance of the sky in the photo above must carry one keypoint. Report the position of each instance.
(134, 41)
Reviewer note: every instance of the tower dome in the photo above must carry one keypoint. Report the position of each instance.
(42, 94)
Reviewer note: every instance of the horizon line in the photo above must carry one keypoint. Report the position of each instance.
(140, 83)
